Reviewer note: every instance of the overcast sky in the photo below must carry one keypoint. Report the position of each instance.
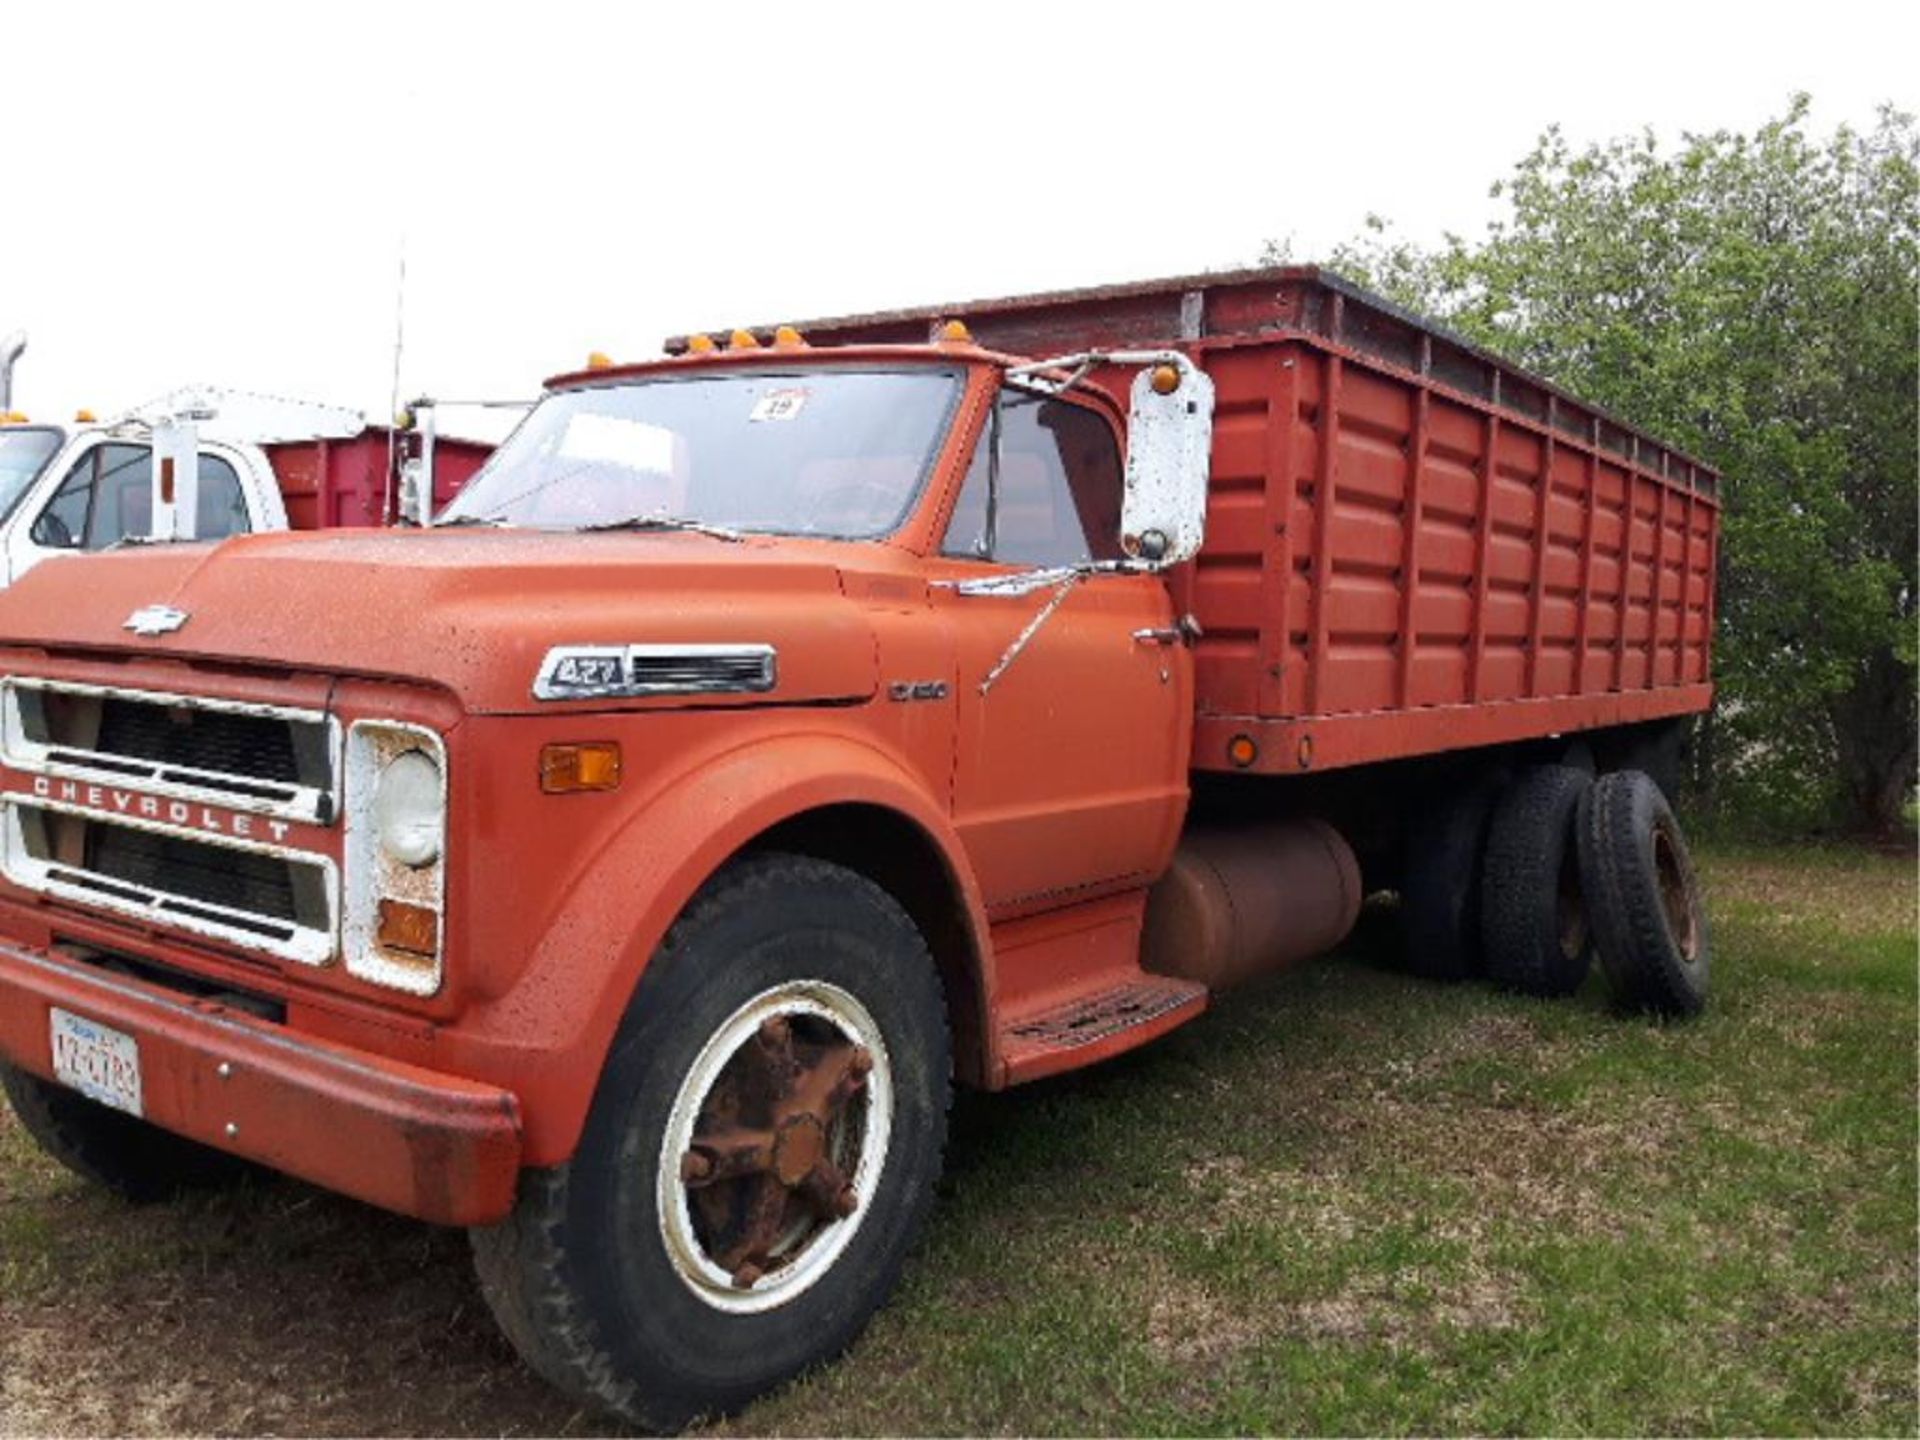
(223, 195)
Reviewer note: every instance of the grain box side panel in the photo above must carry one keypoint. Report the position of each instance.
(1233, 582)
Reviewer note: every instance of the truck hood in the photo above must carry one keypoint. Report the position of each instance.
(473, 611)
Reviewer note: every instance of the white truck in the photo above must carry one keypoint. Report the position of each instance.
(205, 464)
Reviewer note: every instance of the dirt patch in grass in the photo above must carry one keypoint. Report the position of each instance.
(276, 1310)
(1854, 891)
(1190, 1325)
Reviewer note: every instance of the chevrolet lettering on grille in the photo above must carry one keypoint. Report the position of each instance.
(238, 824)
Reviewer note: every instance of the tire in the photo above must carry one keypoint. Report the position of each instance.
(1533, 918)
(1440, 893)
(1649, 920)
(137, 1161)
(620, 1275)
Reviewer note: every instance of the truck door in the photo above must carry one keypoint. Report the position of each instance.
(1071, 767)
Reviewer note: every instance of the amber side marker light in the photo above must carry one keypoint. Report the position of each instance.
(590, 766)
(414, 929)
(1242, 751)
(1166, 379)
(953, 332)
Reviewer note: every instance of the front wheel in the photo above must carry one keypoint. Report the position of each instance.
(758, 1160)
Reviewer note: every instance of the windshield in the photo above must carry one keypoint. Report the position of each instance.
(812, 452)
(23, 455)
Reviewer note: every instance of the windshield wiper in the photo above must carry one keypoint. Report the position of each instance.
(1039, 577)
(666, 522)
(1063, 579)
(454, 520)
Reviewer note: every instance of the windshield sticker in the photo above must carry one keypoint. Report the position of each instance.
(779, 405)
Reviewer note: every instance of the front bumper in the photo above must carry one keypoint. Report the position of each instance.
(405, 1138)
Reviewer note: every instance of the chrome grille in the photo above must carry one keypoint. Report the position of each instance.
(208, 741)
(260, 896)
(268, 759)
(246, 880)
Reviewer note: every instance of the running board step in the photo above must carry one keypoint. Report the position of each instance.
(1096, 1024)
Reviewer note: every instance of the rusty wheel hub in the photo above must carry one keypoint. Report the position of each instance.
(1676, 897)
(778, 1133)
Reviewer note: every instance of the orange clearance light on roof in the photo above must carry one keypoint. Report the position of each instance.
(788, 338)
(599, 360)
(84, 417)
(414, 929)
(953, 332)
(13, 417)
(594, 765)
(1166, 379)
(742, 340)
(701, 345)
(1242, 751)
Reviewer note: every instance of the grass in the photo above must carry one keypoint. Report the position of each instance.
(1344, 1202)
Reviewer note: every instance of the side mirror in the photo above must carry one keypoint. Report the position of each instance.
(414, 491)
(1163, 517)
(176, 475)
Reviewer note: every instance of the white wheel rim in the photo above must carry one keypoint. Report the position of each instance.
(858, 1144)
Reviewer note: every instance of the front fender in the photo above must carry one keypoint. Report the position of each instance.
(561, 1012)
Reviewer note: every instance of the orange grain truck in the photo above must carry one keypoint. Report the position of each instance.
(774, 734)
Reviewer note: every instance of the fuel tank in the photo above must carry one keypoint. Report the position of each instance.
(1245, 900)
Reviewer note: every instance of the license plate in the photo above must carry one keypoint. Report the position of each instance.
(100, 1062)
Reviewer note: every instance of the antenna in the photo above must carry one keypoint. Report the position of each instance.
(399, 349)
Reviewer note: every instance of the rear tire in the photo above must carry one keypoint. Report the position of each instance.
(137, 1161)
(1532, 908)
(1440, 895)
(1649, 920)
(630, 1276)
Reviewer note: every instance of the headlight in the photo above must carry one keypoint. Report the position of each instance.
(394, 886)
(408, 811)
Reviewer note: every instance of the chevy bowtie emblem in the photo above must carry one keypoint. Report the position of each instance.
(155, 620)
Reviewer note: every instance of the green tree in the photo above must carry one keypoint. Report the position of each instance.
(1752, 299)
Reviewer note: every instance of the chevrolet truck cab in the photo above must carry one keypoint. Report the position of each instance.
(773, 735)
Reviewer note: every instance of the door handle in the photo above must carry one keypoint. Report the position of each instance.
(1184, 632)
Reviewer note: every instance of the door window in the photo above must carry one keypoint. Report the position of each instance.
(1059, 483)
(108, 495)
(62, 525)
(223, 504)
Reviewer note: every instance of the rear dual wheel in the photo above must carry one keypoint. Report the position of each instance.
(1579, 868)
(758, 1160)
(1534, 920)
(1440, 891)
(1648, 915)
